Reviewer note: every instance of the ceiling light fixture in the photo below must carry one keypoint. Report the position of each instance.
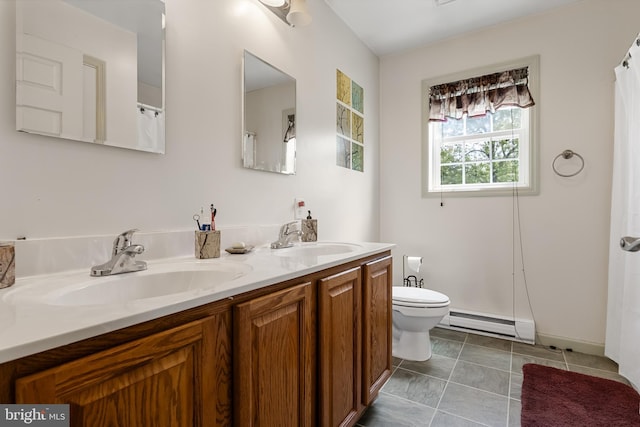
(298, 15)
(293, 12)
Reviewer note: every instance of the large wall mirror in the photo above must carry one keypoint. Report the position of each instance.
(269, 117)
(92, 71)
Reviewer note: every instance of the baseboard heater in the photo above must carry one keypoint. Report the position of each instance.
(522, 330)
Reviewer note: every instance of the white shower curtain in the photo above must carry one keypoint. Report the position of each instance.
(623, 306)
(151, 130)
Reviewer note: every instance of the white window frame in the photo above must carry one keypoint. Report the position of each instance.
(528, 143)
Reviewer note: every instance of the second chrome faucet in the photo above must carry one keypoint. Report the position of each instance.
(289, 233)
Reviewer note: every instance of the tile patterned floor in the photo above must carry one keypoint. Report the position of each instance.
(470, 380)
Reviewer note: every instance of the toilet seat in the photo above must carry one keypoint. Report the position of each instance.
(407, 296)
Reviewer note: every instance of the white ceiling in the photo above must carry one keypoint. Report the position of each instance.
(389, 26)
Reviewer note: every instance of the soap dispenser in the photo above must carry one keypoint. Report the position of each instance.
(309, 229)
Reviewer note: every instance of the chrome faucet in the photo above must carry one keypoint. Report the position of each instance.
(122, 259)
(288, 233)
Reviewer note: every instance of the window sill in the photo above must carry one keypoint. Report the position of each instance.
(492, 192)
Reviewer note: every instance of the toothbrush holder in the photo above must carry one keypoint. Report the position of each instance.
(207, 244)
(7, 264)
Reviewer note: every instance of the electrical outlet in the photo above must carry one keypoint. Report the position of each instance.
(299, 208)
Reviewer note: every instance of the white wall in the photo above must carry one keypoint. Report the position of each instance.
(53, 187)
(467, 244)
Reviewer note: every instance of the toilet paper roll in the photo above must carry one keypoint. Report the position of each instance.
(414, 263)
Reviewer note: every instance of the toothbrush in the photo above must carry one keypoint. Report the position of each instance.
(214, 211)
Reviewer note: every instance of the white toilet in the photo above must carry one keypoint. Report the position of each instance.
(415, 312)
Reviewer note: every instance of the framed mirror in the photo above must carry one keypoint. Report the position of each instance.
(268, 117)
(92, 71)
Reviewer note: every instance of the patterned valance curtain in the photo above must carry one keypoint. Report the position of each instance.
(478, 96)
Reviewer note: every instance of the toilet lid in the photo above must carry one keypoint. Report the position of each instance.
(410, 294)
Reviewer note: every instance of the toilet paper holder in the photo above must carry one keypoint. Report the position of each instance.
(413, 264)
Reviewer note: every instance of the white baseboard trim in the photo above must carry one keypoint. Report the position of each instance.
(568, 343)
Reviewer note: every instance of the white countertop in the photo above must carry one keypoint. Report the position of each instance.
(28, 327)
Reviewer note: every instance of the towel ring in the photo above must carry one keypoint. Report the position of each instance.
(567, 154)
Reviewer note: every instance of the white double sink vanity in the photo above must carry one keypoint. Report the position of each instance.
(296, 336)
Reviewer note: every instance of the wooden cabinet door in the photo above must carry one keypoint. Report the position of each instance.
(376, 318)
(161, 380)
(273, 361)
(340, 348)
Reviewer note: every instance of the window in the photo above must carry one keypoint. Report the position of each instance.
(476, 147)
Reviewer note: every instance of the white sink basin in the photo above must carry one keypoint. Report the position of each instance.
(122, 288)
(316, 249)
